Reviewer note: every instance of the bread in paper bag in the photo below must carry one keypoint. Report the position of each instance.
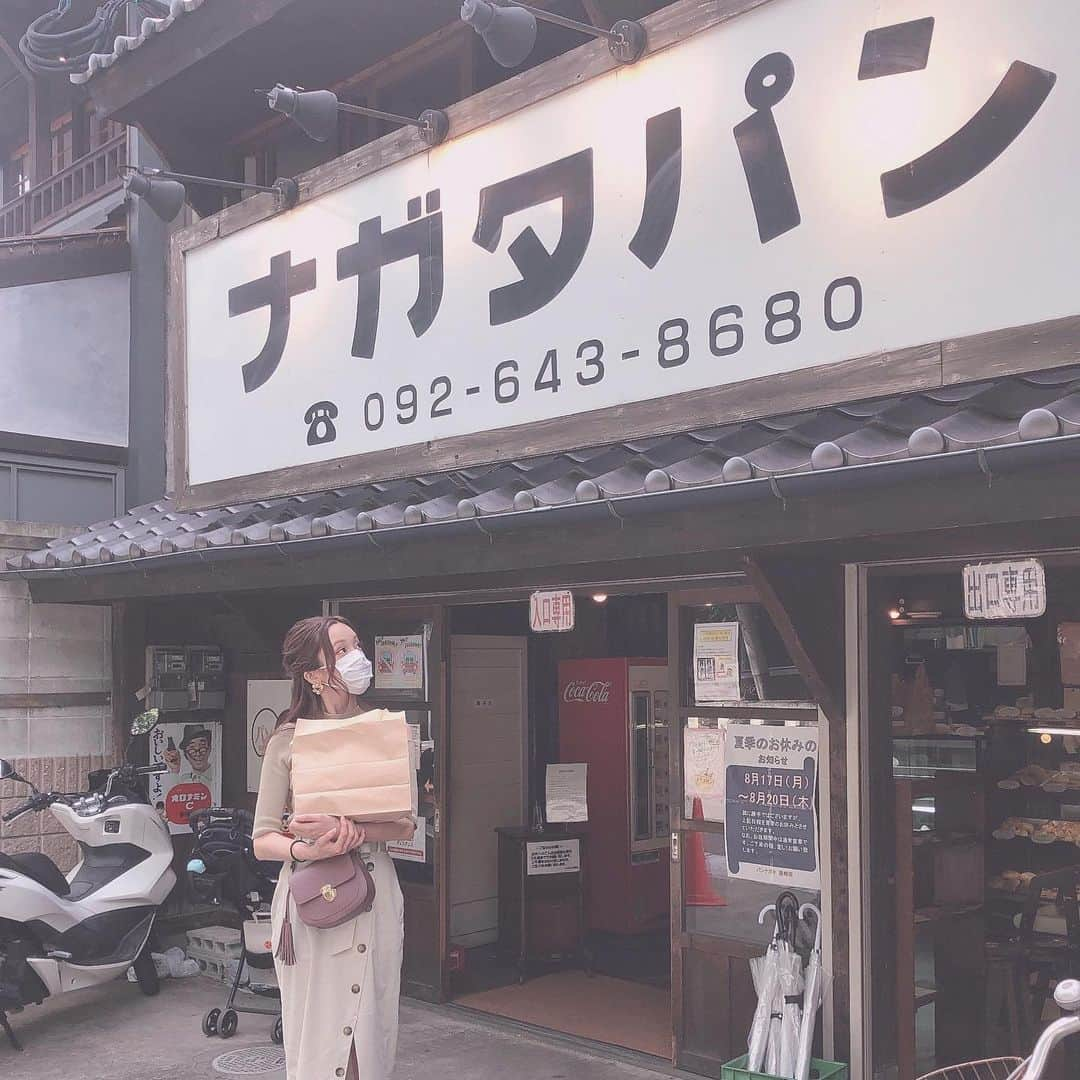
(356, 767)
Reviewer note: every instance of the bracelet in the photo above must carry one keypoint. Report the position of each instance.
(292, 845)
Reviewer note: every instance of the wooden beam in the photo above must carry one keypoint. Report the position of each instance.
(776, 600)
(55, 700)
(1037, 347)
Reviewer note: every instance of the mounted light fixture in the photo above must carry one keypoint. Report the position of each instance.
(901, 616)
(600, 598)
(509, 30)
(315, 112)
(165, 194)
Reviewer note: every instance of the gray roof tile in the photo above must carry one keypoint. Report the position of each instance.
(856, 433)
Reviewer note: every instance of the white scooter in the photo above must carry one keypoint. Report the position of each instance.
(59, 934)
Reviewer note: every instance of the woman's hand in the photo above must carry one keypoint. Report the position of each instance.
(344, 836)
(311, 826)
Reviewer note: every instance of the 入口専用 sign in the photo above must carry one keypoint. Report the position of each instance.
(762, 197)
(551, 612)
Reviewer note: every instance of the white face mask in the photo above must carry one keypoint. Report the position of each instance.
(355, 671)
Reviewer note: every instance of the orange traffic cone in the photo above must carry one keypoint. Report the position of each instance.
(697, 888)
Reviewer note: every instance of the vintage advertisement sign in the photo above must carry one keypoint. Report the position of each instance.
(1012, 589)
(771, 831)
(553, 857)
(192, 755)
(763, 197)
(551, 612)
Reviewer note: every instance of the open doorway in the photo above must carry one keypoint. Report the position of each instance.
(565, 925)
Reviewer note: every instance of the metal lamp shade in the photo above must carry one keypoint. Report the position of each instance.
(508, 32)
(165, 197)
(314, 111)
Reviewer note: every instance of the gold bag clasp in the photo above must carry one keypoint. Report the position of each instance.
(329, 893)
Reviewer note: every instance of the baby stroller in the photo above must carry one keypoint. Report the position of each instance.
(223, 870)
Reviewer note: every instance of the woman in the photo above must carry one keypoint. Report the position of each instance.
(339, 997)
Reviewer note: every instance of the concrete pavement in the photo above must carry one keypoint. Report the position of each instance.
(113, 1031)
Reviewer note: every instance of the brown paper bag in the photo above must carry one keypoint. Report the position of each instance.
(356, 767)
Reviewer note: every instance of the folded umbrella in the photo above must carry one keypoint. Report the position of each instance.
(812, 997)
(766, 974)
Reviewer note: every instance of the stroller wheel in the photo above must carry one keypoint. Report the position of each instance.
(210, 1023)
(228, 1024)
(277, 1034)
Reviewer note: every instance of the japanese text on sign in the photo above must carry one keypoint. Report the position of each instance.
(551, 263)
(554, 857)
(771, 832)
(551, 611)
(1005, 590)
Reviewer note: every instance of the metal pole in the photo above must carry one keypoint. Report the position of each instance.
(562, 20)
(378, 114)
(184, 178)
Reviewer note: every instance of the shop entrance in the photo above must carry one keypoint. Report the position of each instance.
(974, 732)
(562, 923)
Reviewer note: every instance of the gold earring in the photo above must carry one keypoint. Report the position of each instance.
(316, 688)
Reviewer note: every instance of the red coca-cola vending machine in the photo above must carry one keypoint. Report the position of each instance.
(613, 715)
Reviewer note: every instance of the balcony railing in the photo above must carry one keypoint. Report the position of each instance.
(83, 182)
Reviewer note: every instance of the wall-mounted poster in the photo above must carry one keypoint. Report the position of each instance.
(192, 755)
(267, 699)
(703, 771)
(716, 662)
(771, 828)
(399, 662)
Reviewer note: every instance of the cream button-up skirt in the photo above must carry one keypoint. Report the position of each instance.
(343, 989)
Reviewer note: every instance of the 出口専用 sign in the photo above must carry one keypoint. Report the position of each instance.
(807, 183)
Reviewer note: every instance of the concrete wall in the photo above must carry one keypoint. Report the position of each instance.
(47, 649)
(64, 354)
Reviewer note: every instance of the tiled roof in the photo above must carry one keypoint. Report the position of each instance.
(124, 43)
(948, 420)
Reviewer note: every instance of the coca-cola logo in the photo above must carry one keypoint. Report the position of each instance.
(593, 693)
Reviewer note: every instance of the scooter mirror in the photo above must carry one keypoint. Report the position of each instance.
(7, 770)
(145, 722)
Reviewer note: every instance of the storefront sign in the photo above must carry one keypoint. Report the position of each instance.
(267, 699)
(716, 662)
(1015, 589)
(399, 662)
(771, 830)
(763, 196)
(551, 611)
(192, 756)
(553, 857)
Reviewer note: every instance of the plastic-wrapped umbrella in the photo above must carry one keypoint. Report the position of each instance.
(766, 972)
(787, 1005)
(812, 998)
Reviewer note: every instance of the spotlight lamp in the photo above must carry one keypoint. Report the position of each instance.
(165, 193)
(315, 112)
(509, 30)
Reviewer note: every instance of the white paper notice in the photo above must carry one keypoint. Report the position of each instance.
(554, 857)
(716, 662)
(399, 662)
(1012, 665)
(703, 771)
(566, 793)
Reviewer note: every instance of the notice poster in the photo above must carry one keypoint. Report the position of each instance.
(267, 699)
(703, 772)
(716, 662)
(553, 857)
(771, 823)
(192, 755)
(1014, 589)
(566, 793)
(399, 662)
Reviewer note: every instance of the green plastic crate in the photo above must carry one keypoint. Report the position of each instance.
(819, 1070)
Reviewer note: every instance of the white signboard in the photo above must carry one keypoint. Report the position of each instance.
(716, 662)
(192, 781)
(267, 699)
(553, 857)
(551, 611)
(812, 181)
(771, 829)
(1013, 589)
(399, 662)
(566, 792)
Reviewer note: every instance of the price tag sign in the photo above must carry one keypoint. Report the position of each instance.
(552, 612)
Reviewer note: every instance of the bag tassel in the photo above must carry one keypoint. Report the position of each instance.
(286, 950)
